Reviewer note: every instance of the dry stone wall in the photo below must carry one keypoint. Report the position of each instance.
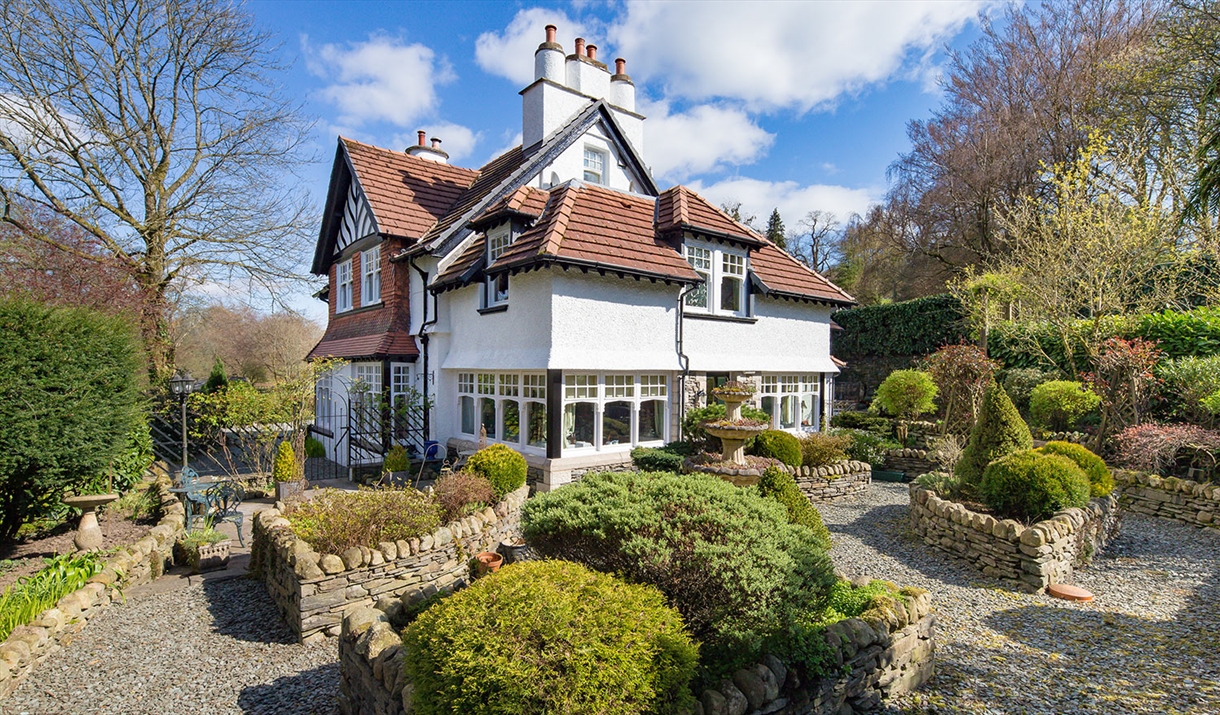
(819, 484)
(1194, 503)
(141, 562)
(1029, 558)
(890, 653)
(314, 591)
(913, 462)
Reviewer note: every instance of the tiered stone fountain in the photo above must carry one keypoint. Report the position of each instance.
(733, 432)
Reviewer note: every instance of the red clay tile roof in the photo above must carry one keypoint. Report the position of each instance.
(489, 177)
(525, 201)
(783, 274)
(366, 346)
(408, 195)
(680, 208)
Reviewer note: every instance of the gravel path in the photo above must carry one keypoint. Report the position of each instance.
(215, 647)
(1149, 643)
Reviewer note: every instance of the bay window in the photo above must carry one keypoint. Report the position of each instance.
(510, 406)
(613, 411)
(723, 270)
(791, 401)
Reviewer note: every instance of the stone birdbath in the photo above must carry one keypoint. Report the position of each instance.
(88, 533)
(734, 431)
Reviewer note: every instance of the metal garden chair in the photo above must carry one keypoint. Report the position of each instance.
(223, 502)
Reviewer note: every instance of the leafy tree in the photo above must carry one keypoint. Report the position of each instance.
(999, 432)
(775, 230)
(69, 399)
(962, 374)
(159, 129)
(906, 394)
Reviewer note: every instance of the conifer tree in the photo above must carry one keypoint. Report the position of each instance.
(775, 229)
(999, 432)
(218, 379)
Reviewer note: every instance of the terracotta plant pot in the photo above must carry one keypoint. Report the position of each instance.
(488, 562)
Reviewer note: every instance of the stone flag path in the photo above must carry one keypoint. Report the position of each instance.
(1149, 643)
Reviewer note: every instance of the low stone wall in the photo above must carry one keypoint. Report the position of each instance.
(823, 484)
(141, 562)
(313, 591)
(883, 657)
(1029, 558)
(1194, 503)
(912, 461)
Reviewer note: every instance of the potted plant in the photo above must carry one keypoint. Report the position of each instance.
(488, 562)
(205, 549)
(397, 464)
(289, 482)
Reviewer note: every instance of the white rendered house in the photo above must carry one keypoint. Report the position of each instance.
(554, 300)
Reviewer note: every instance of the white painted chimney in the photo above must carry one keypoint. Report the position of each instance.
(622, 90)
(548, 59)
(431, 153)
(585, 74)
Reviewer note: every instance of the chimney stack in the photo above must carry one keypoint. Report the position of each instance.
(592, 52)
(580, 46)
(436, 143)
(550, 34)
(423, 151)
(422, 135)
(620, 67)
(622, 90)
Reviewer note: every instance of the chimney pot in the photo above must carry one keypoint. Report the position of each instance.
(592, 50)
(580, 46)
(550, 33)
(422, 135)
(620, 66)
(436, 143)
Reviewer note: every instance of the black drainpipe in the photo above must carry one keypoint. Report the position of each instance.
(683, 360)
(423, 335)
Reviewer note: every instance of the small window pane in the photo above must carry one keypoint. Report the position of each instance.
(767, 404)
(653, 385)
(620, 386)
(808, 419)
(730, 294)
(511, 428)
(536, 412)
(616, 423)
(652, 420)
(487, 412)
(487, 383)
(535, 386)
(467, 404)
(788, 414)
(770, 384)
(579, 420)
(466, 382)
(579, 386)
(508, 385)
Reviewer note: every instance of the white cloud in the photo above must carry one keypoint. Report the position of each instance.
(509, 143)
(457, 141)
(793, 200)
(510, 54)
(782, 54)
(382, 79)
(701, 139)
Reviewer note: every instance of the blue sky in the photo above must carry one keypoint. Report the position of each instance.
(800, 106)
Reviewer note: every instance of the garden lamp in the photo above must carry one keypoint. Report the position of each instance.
(182, 384)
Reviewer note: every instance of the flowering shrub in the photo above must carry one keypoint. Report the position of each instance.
(1123, 377)
(1163, 448)
(961, 374)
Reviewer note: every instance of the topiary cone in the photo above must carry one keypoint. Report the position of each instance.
(999, 432)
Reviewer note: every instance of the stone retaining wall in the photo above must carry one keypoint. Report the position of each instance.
(890, 653)
(313, 591)
(1029, 558)
(912, 461)
(141, 562)
(823, 484)
(1194, 503)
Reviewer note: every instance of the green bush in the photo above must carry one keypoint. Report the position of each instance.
(500, 465)
(1058, 405)
(727, 558)
(69, 399)
(912, 327)
(819, 449)
(130, 466)
(882, 426)
(1195, 332)
(335, 520)
(1189, 381)
(946, 485)
(999, 432)
(1031, 486)
(549, 637)
(1101, 483)
(217, 379)
(314, 448)
(906, 394)
(780, 445)
(21, 602)
(285, 467)
(397, 459)
(1020, 382)
(781, 486)
(693, 421)
(867, 446)
(651, 459)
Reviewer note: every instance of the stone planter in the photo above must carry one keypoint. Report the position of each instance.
(1028, 558)
(210, 557)
(290, 491)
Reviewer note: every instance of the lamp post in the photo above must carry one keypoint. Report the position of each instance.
(182, 384)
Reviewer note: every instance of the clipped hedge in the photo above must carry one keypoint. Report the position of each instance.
(912, 327)
(781, 486)
(501, 465)
(1182, 334)
(1031, 486)
(727, 558)
(550, 637)
(780, 445)
(1101, 482)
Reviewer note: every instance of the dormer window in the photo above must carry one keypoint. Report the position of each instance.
(723, 270)
(595, 166)
(343, 286)
(498, 241)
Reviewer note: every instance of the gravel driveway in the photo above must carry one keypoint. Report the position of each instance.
(215, 647)
(1149, 643)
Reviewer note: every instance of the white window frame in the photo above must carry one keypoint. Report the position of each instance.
(500, 386)
(715, 263)
(343, 286)
(498, 241)
(602, 388)
(370, 276)
(798, 387)
(595, 162)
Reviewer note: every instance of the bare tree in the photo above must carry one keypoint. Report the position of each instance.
(817, 243)
(158, 129)
(261, 347)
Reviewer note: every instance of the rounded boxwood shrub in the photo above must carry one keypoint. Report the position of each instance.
(999, 432)
(906, 394)
(550, 637)
(1101, 483)
(819, 449)
(1059, 404)
(780, 445)
(781, 486)
(652, 459)
(1031, 486)
(727, 558)
(500, 465)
